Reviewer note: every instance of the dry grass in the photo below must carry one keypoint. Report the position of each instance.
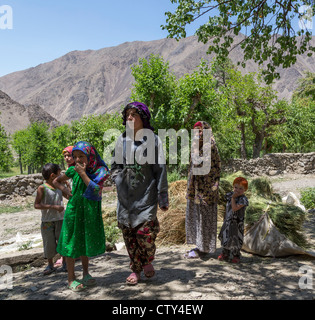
(288, 219)
(172, 222)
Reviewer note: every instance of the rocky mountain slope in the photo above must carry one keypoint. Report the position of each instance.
(99, 81)
(15, 116)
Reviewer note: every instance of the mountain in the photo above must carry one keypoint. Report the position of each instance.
(100, 81)
(15, 116)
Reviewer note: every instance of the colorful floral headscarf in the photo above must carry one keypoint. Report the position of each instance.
(96, 170)
(68, 149)
(143, 111)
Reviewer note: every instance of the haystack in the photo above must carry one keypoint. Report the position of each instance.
(288, 219)
(172, 222)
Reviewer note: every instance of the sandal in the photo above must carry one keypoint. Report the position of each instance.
(223, 257)
(192, 254)
(58, 263)
(63, 268)
(133, 279)
(148, 270)
(74, 286)
(48, 270)
(88, 280)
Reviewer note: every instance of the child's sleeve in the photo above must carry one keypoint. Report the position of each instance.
(242, 201)
(93, 192)
(70, 173)
(228, 196)
(95, 187)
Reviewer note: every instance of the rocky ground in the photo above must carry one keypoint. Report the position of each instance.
(255, 278)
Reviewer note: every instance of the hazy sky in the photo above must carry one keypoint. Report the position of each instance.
(43, 30)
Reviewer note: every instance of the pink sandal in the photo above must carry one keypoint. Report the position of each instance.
(58, 263)
(133, 279)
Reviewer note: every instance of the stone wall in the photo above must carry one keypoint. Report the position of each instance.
(270, 164)
(22, 185)
(274, 164)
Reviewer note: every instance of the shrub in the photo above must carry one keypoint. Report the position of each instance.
(308, 198)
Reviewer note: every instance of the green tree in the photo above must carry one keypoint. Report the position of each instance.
(59, 139)
(269, 39)
(38, 146)
(6, 157)
(92, 128)
(306, 87)
(177, 103)
(253, 108)
(195, 98)
(297, 135)
(21, 146)
(154, 85)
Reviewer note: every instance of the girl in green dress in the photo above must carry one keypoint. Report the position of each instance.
(82, 233)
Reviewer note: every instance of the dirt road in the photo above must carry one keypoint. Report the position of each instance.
(255, 278)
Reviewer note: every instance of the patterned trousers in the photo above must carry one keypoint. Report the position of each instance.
(140, 243)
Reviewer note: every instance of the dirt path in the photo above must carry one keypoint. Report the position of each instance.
(176, 278)
(292, 183)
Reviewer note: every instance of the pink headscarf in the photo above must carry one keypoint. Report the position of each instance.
(198, 124)
(69, 149)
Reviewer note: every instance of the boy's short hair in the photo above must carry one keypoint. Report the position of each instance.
(241, 181)
(50, 168)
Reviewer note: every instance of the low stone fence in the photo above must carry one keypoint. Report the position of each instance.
(274, 164)
(269, 164)
(22, 185)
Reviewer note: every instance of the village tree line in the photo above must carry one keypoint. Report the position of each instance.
(247, 118)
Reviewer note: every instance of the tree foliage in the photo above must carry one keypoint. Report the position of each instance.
(37, 145)
(246, 117)
(270, 38)
(306, 87)
(155, 83)
(254, 108)
(186, 99)
(6, 157)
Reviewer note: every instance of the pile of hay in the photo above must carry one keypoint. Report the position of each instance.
(172, 222)
(287, 218)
